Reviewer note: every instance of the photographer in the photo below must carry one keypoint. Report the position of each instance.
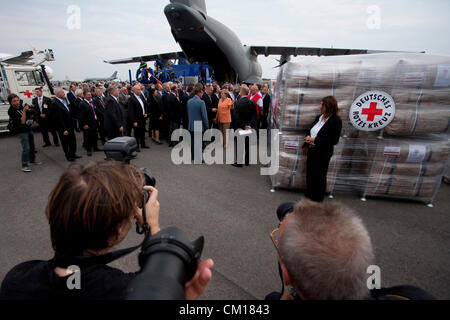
(20, 119)
(324, 251)
(90, 211)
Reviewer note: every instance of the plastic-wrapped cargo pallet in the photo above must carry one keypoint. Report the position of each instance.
(397, 102)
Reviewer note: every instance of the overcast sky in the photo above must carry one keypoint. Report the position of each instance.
(121, 29)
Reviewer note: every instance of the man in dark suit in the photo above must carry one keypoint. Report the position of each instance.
(207, 98)
(266, 106)
(65, 125)
(174, 112)
(165, 122)
(113, 115)
(100, 109)
(245, 118)
(137, 114)
(74, 100)
(42, 105)
(89, 122)
(123, 100)
(71, 96)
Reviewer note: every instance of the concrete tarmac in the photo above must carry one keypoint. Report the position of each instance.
(235, 211)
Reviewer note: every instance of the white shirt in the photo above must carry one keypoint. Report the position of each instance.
(40, 102)
(140, 101)
(315, 130)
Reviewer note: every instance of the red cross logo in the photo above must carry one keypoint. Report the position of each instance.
(28, 94)
(372, 111)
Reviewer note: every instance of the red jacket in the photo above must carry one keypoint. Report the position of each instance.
(255, 100)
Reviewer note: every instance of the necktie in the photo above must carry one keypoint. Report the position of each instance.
(65, 105)
(40, 103)
(93, 110)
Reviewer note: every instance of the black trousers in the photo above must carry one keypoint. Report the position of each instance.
(114, 134)
(44, 131)
(101, 130)
(174, 125)
(91, 139)
(316, 174)
(139, 134)
(246, 149)
(68, 143)
(263, 124)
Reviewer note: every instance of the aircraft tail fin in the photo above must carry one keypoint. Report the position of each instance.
(114, 75)
(199, 5)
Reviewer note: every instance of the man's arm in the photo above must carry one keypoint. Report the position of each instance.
(204, 115)
(253, 118)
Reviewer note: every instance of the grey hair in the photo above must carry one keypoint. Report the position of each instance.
(111, 88)
(56, 90)
(326, 250)
(78, 92)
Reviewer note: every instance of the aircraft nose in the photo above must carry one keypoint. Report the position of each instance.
(183, 18)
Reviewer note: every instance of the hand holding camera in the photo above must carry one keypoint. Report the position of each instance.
(151, 211)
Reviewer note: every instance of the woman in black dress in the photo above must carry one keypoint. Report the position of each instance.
(319, 142)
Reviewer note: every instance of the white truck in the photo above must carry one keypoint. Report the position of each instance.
(19, 75)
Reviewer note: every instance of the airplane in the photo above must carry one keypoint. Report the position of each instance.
(206, 40)
(112, 77)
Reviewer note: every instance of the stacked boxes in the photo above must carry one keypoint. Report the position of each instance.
(406, 159)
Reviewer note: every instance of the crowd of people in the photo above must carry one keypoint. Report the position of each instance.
(105, 111)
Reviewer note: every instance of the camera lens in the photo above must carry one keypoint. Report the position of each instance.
(284, 209)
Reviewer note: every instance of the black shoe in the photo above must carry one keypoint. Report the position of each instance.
(77, 157)
(56, 144)
(89, 153)
(138, 150)
(46, 145)
(237, 165)
(145, 147)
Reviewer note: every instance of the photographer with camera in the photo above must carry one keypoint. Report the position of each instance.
(90, 211)
(20, 121)
(324, 251)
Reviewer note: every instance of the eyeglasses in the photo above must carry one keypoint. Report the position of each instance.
(274, 237)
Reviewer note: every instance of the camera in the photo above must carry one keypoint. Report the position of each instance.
(284, 210)
(168, 260)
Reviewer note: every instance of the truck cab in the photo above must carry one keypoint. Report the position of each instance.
(18, 75)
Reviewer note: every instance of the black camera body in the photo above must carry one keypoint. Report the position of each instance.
(121, 149)
(168, 260)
